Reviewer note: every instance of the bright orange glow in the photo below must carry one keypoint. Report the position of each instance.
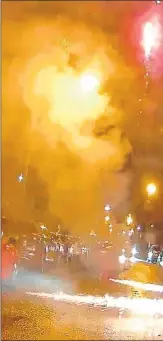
(65, 93)
(89, 82)
(151, 189)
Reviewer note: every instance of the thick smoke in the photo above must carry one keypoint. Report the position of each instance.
(43, 69)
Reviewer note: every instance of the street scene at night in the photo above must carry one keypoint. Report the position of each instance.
(82, 170)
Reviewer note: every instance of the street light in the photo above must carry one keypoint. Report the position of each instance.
(151, 189)
(107, 208)
(43, 227)
(20, 177)
(92, 233)
(107, 218)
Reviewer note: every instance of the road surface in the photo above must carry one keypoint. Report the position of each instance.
(26, 316)
(44, 319)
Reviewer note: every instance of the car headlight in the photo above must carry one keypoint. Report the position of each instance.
(122, 259)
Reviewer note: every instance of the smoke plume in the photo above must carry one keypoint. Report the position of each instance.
(54, 71)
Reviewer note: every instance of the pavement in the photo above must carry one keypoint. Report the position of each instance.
(25, 315)
(45, 319)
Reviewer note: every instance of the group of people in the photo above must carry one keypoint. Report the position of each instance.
(39, 252)
(44, 252)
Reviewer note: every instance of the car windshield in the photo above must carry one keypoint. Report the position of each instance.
(82, 170)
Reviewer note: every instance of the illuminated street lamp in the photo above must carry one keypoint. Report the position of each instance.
(92, 233)
(89, 82)
(43, 227)
(151, 189)
(107, 218)
(129, 219)
(20, 177)
(107, 208)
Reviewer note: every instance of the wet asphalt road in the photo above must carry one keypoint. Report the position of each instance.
(29, 317)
